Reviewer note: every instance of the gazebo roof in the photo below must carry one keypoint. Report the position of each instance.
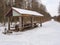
(17, 12)
(24, 11)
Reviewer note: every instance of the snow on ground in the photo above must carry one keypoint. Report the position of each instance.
(49, 34)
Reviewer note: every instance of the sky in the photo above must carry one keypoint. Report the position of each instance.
(52, 6)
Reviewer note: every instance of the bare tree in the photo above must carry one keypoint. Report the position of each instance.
(59, 9)
(19, 3)
(43, 7)
(1, 10)
(34, 5)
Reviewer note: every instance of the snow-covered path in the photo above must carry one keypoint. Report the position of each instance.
(49, 34)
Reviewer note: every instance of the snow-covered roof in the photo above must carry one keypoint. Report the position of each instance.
(23, 11)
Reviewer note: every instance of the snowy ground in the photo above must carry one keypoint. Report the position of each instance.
(49, 34)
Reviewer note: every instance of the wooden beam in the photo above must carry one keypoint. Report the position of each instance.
(32, 20)
(41, 22)
(8, 23)
(20, 23)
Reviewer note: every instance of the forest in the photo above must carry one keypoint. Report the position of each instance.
(34, 5)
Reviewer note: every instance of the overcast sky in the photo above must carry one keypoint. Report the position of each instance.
(52, 6)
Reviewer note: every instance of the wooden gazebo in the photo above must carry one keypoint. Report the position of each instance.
(22, 13)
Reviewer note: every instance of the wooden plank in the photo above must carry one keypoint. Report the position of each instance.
(15, 13)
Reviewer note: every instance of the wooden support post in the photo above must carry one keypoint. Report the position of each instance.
(32, 21)
(20, 23)
(8, 23)
(40, 22)
(11, 20)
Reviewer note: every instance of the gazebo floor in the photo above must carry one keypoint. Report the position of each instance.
(17, 30)
(26, 27)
